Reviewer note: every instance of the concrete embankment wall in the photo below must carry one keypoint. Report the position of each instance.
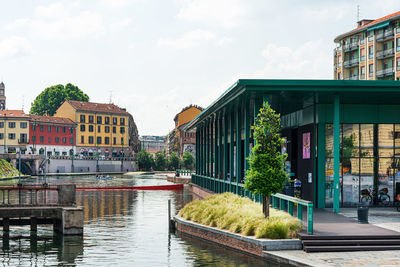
(65, 166)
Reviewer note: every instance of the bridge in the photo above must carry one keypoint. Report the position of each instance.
(30, 164)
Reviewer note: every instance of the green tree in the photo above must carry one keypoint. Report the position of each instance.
(188, 160)
(160, 161)
(49, 100)
(145, 160)
(266, 175)
(173, 161)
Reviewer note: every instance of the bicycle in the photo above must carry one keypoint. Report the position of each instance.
(368, 194)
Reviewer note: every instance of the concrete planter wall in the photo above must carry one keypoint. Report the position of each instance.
(242, 243)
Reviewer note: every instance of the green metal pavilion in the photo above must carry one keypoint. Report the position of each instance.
(342, 138)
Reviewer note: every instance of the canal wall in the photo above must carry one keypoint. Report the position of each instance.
(84, 165)
(199, 192)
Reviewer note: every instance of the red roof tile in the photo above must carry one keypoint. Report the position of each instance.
(97, 107)
(377, 21)
(14, 113)
(49, 119)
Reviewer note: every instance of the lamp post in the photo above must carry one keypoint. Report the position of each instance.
(72, 150)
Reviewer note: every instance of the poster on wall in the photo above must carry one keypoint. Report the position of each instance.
(306, 146)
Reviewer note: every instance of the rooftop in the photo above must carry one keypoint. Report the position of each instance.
(389, 17)
(97, 107)
(14, 113)
(49, 119)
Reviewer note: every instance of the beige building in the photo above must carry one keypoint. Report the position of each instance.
(14, 131)
(369, 52)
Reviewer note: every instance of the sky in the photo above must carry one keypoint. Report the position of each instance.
(154, 57)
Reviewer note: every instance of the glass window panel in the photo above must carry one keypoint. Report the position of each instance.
(329, 183)
(350, 144)
(385, 140)
(397, 139)
(366, 180)
(329, 140)
(385, 181)
(351, 181)
(367, 140)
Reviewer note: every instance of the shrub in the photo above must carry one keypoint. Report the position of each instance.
(241, 215)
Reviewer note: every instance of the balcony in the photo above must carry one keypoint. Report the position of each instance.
(354, 77)
(350, 63)
(384, 53)
(23, 141)
(384, 73)
(387, 34)
(350, 46)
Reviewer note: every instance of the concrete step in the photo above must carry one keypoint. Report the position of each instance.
(347, 237)
(348, 248)
(363, 242)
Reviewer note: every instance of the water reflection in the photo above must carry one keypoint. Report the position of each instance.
(122, 228)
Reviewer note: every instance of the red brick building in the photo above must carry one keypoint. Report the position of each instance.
(54, 134)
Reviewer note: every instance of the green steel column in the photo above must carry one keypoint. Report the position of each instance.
(232, 145)
(212, 151)
(336, 149)
(226, 148)
(246, 117)
(321, 166)
(197, 151)
(238, 114)
(216, 131)
(220, 151)
(204, 149)
(201, 150)
(207, 149)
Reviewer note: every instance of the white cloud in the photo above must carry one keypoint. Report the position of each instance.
(60, 22)
(114, 3)
(14, 46)
(194, 38)
(226, 13)
(122, 23)
(311, 60)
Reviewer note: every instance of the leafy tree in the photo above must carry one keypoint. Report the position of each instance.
(49, 100)
(266, 175)
(145, 160)
(173, 161)
(188, 160)
(160, 161)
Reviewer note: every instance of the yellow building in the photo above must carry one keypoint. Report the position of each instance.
(101, 127)
(185, 141)
(14, 131)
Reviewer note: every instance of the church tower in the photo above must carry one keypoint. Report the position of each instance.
(2, 97)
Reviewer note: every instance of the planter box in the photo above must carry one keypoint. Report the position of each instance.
(250, 245)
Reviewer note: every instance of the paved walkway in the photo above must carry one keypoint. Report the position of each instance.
(381, 221)
(327, 223)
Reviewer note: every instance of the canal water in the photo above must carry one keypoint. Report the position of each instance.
(122, 228)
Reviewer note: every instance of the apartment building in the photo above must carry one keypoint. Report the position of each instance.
(14, 131)
(369, 52)
(101, 128)
(54, 135)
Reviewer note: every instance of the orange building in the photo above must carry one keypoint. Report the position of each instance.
(185, 141)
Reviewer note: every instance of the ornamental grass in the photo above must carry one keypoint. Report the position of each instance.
(240, 215)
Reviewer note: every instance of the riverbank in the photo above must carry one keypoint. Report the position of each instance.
(14, 177)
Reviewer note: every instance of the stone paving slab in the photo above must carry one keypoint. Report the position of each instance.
(345, 259)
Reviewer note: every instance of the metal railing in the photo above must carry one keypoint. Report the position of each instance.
(91, 158)
(350, 46)
(354, 77)
(351, 62)
(385, 53)
(185, 172)
(31, 195)
(384, 35)
(222, 186)
(286, 203)
(385, 72)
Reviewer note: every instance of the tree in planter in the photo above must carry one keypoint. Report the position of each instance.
(187, 160)
(266, 175)
(145, 160)
(173, 161)
(160, 161)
